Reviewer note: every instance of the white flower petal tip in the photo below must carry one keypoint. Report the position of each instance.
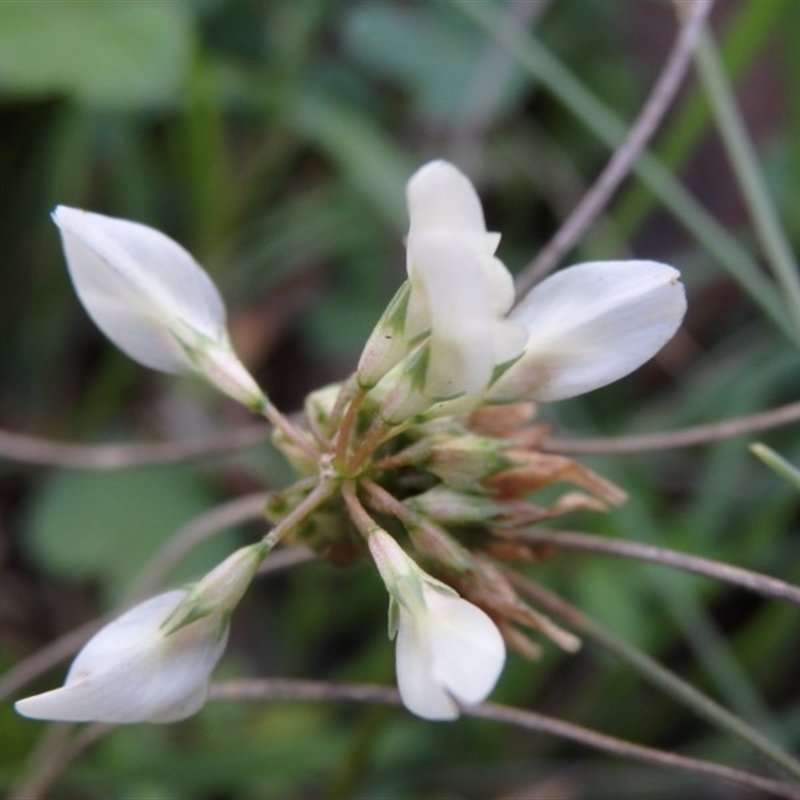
(590, 325)
(152, 299)
(449, 652)
(130, 671)
(439, 195)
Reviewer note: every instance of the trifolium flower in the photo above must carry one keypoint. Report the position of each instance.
(153, 663)
(451, 333)
(448, 650)
(454, 305)
(153, 300)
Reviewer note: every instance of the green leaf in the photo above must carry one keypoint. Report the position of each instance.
(450, 73)
(108, 525)
(110, 55)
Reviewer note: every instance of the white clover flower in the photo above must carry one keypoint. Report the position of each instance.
(152, 299)
(457, 298)
(456, 279)
(153, 663)
(452, 331)
(132, 672)
(448, 651)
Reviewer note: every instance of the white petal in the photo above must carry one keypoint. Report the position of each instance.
(440, 196)
(139, 286)
(590, 325)
(421, 693)
(467, 338)
(468, 650)
(448, 275)
(501, 283)
(130, 672)
(447, 651)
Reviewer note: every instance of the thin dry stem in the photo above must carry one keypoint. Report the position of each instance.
(284, 689)
(621, 163)
(754, 581)
(46, 452)
(101, 457)
(53, 756)
(286, 558)
(683, 437)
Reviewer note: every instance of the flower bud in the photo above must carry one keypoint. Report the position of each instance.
(220, 590)
(448, 650)
(319, 407)
(450, 507)
(387, 343)
(464, 461)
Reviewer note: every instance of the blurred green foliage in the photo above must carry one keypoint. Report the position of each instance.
(273, 139)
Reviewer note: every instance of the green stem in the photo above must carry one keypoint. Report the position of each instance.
(349, 417)
(777, 463)
(745, 164)
(361, 519)
(652, 671)
(321, 492)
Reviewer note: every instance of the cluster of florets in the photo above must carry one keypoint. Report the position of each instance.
(428, 448)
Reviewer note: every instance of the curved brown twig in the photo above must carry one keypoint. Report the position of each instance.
(747, 579)
(682, 437)
(46, 452)
(625, 156)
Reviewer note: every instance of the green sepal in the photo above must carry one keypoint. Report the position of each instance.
(386, 345)
(394, 618)
(501, 369)
(185, 613)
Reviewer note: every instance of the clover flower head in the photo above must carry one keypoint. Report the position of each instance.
(433, 432)
(152, 299)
